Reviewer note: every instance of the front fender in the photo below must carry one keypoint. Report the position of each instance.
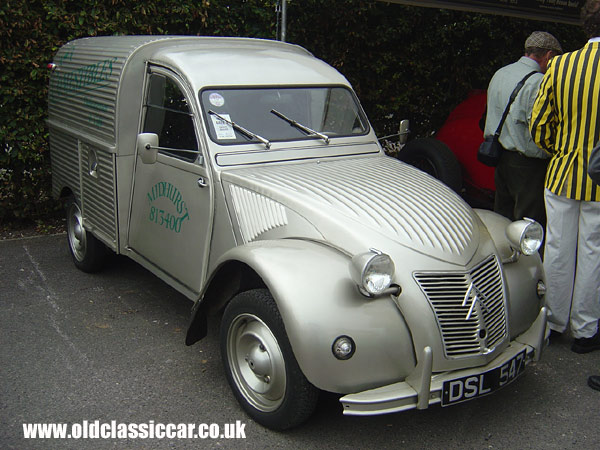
(521, 276)
(318, 302)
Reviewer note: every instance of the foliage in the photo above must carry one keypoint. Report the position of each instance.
(404, 62)
(413, 62)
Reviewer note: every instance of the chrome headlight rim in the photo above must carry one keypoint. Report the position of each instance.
(373, 272)
(525, 236)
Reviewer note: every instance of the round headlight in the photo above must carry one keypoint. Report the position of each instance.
(532, 238)
(525, 235)
(373, 272)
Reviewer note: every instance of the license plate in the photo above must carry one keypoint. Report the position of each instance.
(473, 386)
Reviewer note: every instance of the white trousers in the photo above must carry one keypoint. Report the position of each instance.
(572, 264)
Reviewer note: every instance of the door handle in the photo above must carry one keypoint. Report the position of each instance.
(202, 182)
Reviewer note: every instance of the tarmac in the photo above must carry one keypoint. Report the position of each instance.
(107, 347)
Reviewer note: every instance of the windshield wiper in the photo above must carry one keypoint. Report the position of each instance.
(242, 130)
(301, 127)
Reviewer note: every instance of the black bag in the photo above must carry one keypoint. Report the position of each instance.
(490, 150)
(594, 164)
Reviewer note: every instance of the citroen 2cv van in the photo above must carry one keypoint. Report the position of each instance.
(245, 174)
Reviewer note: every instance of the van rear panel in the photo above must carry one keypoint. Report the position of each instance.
(82, 114)
(83, 88)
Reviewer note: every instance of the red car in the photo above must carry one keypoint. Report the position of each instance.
(452, 155)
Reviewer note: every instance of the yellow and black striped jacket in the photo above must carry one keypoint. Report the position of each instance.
(566, 121)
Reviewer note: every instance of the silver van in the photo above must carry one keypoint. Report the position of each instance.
(245, 174)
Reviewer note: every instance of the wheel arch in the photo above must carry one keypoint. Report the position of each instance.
(230, 278)
(318, 302)
(65, 193)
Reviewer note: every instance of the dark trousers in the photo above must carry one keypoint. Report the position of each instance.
(520, 187)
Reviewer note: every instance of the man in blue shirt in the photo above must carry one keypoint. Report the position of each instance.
(520, 174)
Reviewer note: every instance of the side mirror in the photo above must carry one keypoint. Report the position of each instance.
(147, 147)
(403, 131)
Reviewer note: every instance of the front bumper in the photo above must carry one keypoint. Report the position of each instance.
(422, 388)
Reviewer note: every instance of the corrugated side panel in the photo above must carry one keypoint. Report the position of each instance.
(64, 163)
(83, 89)
(99, 193)
(256, 214)
(85, 81)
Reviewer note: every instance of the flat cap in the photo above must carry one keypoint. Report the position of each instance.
(542, 39)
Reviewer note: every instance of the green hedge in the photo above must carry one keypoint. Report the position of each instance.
(404, 62)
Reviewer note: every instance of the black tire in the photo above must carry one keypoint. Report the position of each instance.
(260, 365)
(435, 158)
(89, 254)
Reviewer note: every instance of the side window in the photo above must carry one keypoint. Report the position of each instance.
(168, 115)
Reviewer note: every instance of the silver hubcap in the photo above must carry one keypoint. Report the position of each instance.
(256, 362)
(76, 232)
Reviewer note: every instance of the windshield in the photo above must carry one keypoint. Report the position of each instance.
(240, 116)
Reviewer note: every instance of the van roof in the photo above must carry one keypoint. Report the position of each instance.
(210, 61)
(255, 64)
(98, 81)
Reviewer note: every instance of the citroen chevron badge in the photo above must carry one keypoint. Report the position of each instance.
(475, 295)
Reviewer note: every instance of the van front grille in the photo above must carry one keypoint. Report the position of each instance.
(470, 308)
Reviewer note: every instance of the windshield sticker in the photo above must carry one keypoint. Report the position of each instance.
(222, 129)
(216, 100)
(170, 215)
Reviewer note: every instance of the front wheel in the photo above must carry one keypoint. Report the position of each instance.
(89, 254)
(260, 365)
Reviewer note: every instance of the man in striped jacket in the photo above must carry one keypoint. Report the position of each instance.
(565, 122)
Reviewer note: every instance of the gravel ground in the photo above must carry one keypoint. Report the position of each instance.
(17, 230)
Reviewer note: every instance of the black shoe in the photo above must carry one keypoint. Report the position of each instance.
(586, 345)
(594, 382)
(554, 335)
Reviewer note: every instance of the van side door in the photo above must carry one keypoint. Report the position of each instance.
(171, 210)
